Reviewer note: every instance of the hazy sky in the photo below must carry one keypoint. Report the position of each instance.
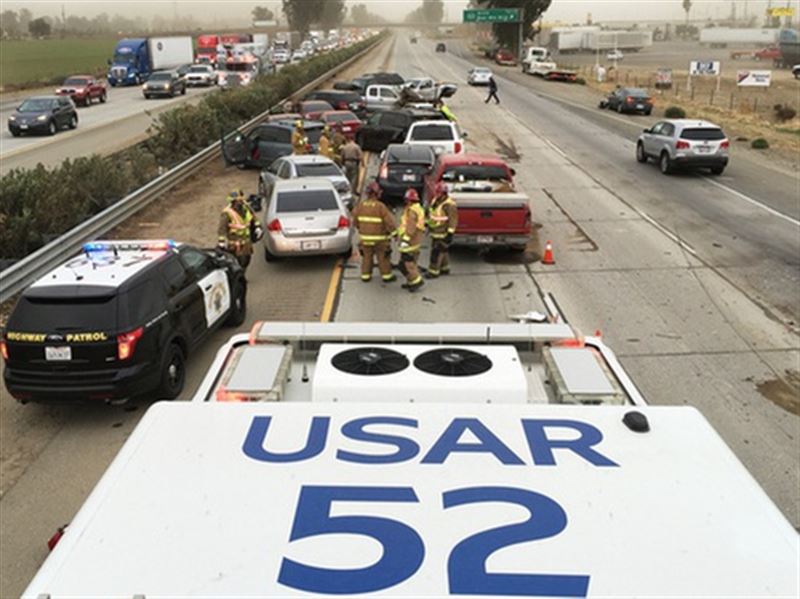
(567, 10)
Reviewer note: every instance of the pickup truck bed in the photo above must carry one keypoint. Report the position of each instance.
(492, 219)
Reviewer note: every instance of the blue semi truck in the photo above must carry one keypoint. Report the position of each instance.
(135, 59)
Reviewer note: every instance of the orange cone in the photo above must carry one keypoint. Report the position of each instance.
(548, 253)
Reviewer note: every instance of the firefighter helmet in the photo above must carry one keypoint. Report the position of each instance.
(411, 195)
(440, 189)
(374, 190)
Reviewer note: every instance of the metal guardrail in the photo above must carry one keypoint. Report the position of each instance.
(17, 277)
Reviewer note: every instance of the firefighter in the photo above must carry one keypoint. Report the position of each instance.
(375, 225)
(299, 138)
(445, 110)
(339, 140)
(326, 143)
(238, 226)
(411, 232)
(442, 223)
(351, 159)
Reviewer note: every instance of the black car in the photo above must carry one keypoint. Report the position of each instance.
(164, 83)
(404, 166)
(266, 142)
(628, 99)
(118, 321)
(440, 47)
(390, 126)
(43, 114)
(341, 100)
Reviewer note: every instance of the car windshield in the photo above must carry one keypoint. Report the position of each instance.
(339, 117)
(199, 69)
(77, 81)
(37, 105)
(307, 201)
(703, 134)
(636, 92)
(410, 156)
(126, 58)
(432, 133)
(318, 169)
(475, 172)
(314, 134)
(160, 77)
(65, 314)
(316, 106)
(482, 71)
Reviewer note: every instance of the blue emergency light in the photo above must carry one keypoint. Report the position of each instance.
(114, 246)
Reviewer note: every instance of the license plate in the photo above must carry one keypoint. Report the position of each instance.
(409, 177)
(704, 149)
(640, 106)
(23, 126)
(485, 239)
(344, 128)
(310, 245)
(58, 354)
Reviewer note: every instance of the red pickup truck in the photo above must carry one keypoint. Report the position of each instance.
(83, 89)
(490, 210)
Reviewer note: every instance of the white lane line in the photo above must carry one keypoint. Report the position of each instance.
(666, 232)
(756, 203)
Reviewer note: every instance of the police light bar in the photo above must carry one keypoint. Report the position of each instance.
(116, 246)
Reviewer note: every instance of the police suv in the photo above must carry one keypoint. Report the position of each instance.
(118, 320)
(428, 460)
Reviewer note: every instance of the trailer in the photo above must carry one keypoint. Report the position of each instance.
(720, 37)
(422, 460)
(629, 41)
(136, 59)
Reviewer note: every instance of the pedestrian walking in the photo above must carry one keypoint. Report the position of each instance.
(351, 159)
(442, 224)
(375, 225)
(492, 91)
(411, 232)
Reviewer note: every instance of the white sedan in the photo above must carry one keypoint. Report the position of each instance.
(615, 55)
(479, 76)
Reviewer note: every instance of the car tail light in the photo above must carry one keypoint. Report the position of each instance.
(682, 145)
(458, 147)
(342, 105)
(725, 144)
(384, 172)
(4, 349)
(53, 541)
(344, 222)
(126, 343)
(629, 100)
(274, 225)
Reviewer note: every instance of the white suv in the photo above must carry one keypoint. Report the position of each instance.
(443, 137)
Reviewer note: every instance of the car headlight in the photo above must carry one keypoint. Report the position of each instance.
(166, 86)
(41, 117)
(12, 118)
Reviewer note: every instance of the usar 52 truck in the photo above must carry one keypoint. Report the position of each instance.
(422, 460)
(135, 59)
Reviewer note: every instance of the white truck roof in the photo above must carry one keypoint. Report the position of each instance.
(276, 499)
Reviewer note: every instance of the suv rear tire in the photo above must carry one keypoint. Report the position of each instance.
(665, 164)
(173, 373)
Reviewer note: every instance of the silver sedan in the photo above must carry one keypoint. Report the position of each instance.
(308, 165)
(306, 217)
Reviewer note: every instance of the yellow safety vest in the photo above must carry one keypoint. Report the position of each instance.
(239, 226)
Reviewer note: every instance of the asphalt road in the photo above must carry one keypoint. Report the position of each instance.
(102, 128)
(685, 332)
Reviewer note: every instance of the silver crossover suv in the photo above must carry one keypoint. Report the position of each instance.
(306, 217)
(684, 143)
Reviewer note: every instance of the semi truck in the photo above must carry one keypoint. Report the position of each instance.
(720, 37)
(629, 41)
(789, 47)
(422, 460)
(135, 59)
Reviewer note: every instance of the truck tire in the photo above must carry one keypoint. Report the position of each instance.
(103, 97)
(173, 372)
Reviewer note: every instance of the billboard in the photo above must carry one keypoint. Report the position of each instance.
(753, 78)
(705, 67)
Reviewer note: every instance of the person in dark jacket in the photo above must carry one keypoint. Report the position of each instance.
(492, 91)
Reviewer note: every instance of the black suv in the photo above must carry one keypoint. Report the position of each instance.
(164, 83)
(266, 142)
(118, 321)
(390, 127)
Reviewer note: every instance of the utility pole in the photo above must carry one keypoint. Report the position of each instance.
(63, 21)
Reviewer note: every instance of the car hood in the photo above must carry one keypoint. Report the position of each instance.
(30, 116)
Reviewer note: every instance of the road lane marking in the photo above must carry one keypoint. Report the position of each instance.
(333, 291)
(754, 202)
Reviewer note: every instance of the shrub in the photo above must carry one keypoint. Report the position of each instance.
(39, 204)
(675, 112)
(580, 81)
(784, 112)
(759, 143)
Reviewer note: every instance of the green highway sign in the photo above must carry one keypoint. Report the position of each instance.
(492, 15)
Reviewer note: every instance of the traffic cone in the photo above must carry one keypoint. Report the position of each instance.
(548, 253)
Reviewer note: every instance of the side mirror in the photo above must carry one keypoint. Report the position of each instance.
(513, 172)
(645, 130)
(464, 134)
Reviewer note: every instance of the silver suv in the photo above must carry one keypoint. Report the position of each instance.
(684, 143)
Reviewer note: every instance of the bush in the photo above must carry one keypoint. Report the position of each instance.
(759, 143)
(580, 81)
(39, 204)
(674, 112)
(784, 112)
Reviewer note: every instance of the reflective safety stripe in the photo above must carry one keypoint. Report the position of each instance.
(370, 219)
(387, 277)
(415, 281)
(373, 237)
(438, 235)
(366, 277)
(451, 230)
(238, 226)
(410, 249)
(433, 271)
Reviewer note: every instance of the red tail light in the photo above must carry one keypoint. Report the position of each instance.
(344, 222)
(4, 349)
(274, 225)
(725, 144)
(126, 343)
(629, 100)
(458, 147)
(342, 105)
(53, 541)
(682, 145)
(384, 173)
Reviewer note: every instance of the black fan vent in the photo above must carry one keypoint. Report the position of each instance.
(370, 361)
(452, 361)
